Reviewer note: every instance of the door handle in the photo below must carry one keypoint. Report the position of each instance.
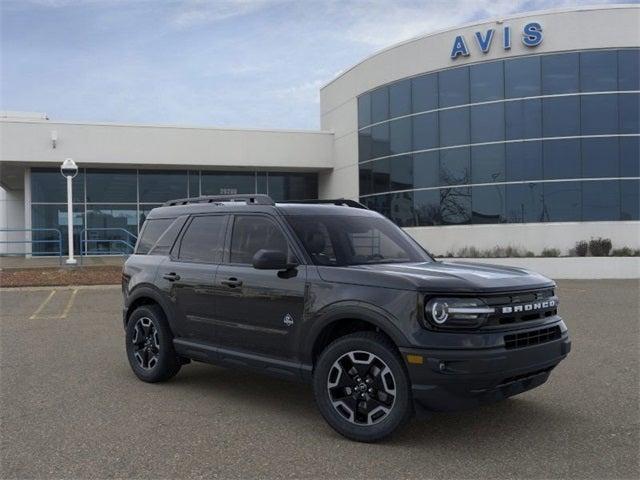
(172, 277)
(232, 282)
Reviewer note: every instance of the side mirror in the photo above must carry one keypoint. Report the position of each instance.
(270, 260)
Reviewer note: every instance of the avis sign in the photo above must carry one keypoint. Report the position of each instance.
(531, 37)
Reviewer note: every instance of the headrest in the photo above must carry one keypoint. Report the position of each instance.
(314, 240)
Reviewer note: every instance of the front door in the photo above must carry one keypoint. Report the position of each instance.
(257, 310)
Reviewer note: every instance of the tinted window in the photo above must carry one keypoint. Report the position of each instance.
(600, 201)
(160, 186)
(560, 73)
(292, 186)
(453, 87)
(401, 172)
(381, 175)
(365, 178)
(487, 164)
(424, 93)
(401, 209)
(599, 114)
(116, 220)
(454, 127)
(487, 81)
(364, 110)
(630, 200)
(629, 113)
(562, 159)
(380, 140)
(524, 161)
(454, 166)
(522, 77)
(426, 205)
(151, 233)
(629, 70)
(228, 183)
(400, 98)
(600, 157)
(204, 239)
(523, 119)
(524, 203)
(488, 204)
(106, 186)
(194, 183)
(167, 239)
(630, 157)
(364, 145)
(562, 201)
(487, 123)
(400, 135)
(598, 71)
(455, 206)
(425, 131)
(46, 242)
(252, 233)
(379, 105)
(426, 169)
(48, 185)
(561, 116)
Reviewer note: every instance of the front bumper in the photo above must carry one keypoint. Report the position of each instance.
(456, 379)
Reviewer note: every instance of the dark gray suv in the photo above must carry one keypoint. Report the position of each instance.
(338, 296)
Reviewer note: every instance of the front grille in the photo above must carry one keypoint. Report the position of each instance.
(534, 337)
(516, 299)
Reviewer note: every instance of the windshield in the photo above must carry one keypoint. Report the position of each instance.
(340, 240)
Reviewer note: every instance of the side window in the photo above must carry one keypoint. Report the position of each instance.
(317, 241)
(168, 238)
(204, 239)
(151, 232)
(252, 233)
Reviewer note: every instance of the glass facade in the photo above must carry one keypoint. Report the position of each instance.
(548, 138)
(112, 204)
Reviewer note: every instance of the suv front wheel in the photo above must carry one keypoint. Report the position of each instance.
(362, 388)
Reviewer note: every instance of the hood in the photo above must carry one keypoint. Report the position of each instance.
(438, 276)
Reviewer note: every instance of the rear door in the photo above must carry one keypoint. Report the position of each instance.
(191, 272)
(257, 311)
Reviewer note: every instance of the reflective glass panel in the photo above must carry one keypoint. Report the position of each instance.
(561, 159)
(487, 123)
(194, 183)
(162, 185)
(112, 186)
(599, 71)
(630, 200)
(487, 81)
(600, 157)
(524, 203)
(630, 156)
(51, 217)
(379, 104)
(425, 131)
(561, 116)
(629, 113)
(454, 166)
(426, 169)
(560, 73)
(145, 209)
(380, 140)
(599, 114)
(381, 171)
(426, 205)
(110, 224)
(455, 205)
(228, 183)
(524, 161)
(453, 86)
(364, 144)
(49, 186)
(364, 110)
(401, 209)
(400, 135)
(366, 177)
(400, 98)
(293, 186)
(488, 204)
(488, 164)
(523, 119)
(562, 201)
(424, 92)
(600, 200)
(401, 172)
(203, 240)
(629, 69)
(454, 127)
(522, 77)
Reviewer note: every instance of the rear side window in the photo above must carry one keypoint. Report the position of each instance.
(252, 233)
(204, 240)
(151, 232)
(168, 238)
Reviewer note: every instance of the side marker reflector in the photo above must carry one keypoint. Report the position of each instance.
(415, 359)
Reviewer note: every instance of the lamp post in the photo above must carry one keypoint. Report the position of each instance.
(69, 169)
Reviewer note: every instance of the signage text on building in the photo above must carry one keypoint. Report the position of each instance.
(531, 37)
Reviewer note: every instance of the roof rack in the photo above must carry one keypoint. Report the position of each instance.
(338, 201)
(248, 199)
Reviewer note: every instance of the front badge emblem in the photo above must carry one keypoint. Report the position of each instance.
(288, 320)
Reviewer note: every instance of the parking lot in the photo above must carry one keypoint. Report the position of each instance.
(71, 407)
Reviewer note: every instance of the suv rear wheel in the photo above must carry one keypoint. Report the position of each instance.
(150, 345)
(362, 388)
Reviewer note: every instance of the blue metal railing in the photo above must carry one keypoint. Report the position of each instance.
(128, 242)
(57, 241)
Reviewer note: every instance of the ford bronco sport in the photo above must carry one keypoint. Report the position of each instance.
(338, 296)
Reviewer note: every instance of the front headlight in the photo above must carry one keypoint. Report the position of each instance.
(457, 312)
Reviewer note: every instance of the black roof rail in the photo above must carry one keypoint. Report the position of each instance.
(248, 199)
(337, 201)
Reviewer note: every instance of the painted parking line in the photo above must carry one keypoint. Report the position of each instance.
(36, 315)
(42, 305)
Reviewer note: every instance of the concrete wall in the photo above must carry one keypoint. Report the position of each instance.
(11, 217)
(29, 142)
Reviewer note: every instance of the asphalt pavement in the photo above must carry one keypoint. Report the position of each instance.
(71, 407)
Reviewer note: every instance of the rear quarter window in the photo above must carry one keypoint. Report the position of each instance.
(151, 232)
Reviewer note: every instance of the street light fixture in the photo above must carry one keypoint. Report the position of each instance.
(69, 169)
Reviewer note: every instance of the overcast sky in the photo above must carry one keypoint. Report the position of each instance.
(244, 63)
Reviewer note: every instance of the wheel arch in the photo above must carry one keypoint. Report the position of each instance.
(146, 295)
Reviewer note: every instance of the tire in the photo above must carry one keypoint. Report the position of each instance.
(382, 407)
(149, 344)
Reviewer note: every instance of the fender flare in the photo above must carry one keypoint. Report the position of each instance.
(149, 291)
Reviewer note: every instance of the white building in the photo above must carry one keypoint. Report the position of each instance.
(520, 131)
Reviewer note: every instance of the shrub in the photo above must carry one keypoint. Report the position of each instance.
(581, 248)
(600, 247)
(550, 252)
